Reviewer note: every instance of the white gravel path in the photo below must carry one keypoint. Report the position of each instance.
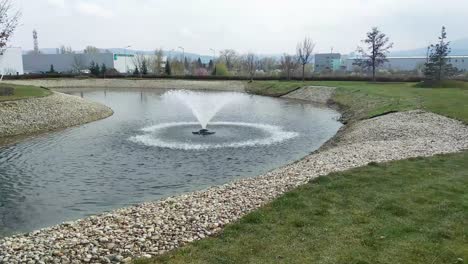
(153, 228)
(52, 112)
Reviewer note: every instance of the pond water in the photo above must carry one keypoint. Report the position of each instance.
(147, 151)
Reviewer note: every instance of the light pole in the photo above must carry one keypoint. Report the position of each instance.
(214, 54)
(183, 55)
(125, 55)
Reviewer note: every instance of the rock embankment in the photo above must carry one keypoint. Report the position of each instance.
(235, 86)
(315, 94)
(153, 228)
(52, 112)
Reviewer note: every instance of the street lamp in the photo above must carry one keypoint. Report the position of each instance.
(125, 55)
(214, 54)
(183, 54)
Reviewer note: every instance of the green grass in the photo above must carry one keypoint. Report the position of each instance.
(411, 211)
(364, 100)
(23, 92)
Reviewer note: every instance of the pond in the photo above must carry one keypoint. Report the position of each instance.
(147, 151)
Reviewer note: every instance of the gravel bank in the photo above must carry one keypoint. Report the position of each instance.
(153, 228)
(56, 111)
(316, 94)
(235, 86)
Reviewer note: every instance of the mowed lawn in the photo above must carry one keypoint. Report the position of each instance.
(23, 92)
(363, 99)
(410, 211)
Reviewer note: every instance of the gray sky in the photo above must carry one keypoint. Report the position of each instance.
(261, 26)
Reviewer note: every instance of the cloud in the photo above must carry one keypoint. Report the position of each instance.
(92, 9)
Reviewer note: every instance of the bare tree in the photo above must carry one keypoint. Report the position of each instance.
(78, 64)
(66, 50)
(288, 63)
(229, 56)
(9, 19)
(251, 64)
(375, 52)
(304, 51)
(157, 62)
(140, 61)
(91, 50)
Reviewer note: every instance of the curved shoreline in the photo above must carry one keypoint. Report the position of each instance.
(56, 111)
(155, 227)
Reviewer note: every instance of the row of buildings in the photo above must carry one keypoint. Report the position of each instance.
(13, 62)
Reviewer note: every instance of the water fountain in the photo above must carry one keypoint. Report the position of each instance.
(204, 106)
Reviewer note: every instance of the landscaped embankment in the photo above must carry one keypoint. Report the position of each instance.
(315, 94)
(40, 114)
(153, 228)
(237, 86)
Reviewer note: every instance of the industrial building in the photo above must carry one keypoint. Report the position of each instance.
(327, 62)
(40, 63)
(11, 62)
(411, 63)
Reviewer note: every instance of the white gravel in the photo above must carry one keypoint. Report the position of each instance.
(56, 111)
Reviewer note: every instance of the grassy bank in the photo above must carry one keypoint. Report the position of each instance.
(411, 211)
(363, 99)
(23, 92)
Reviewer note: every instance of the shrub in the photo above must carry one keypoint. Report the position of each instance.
(220, 70)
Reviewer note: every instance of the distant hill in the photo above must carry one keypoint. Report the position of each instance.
(459, 48)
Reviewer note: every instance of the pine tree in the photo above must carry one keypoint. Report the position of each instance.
(144, 68)
(136, 71)
(199, 63)
(167, 69)
(94, 69)
(103, 69)
(438, 67)
(210, 65)
(52, 70)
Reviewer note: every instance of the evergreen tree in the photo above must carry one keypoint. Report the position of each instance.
(199, 63)
(167, 69)
(94, 69)
(144, 68)
(437, 66)
(136, 71)
(103, 69)
(52, 70)
(210, 65)
(186, 64)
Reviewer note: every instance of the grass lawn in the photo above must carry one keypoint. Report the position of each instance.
(411, 211)
(364, 99)
(22, 92)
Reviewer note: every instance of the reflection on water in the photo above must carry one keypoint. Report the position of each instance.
(96, 167)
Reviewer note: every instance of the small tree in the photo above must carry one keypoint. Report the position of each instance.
(304, 53)
(375, 53)
(136, 71)
(94, 69)
(251, 63)
(167, 69)
(144, 68)
(52, 70)
(210, 65)
(103, 70)
(199, 63)
(437, 66)
(221, 70)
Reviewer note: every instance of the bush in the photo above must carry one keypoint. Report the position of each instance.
(220, 70)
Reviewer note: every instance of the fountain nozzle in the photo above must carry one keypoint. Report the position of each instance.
(203, 132)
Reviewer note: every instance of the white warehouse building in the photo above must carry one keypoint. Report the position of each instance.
(11, 62)
(412, 63)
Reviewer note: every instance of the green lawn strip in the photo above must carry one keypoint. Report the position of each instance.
(410, 211)
(23, 92)
(364, 100)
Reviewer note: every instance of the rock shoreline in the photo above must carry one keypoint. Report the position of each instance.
(153, 228)
(34, 115)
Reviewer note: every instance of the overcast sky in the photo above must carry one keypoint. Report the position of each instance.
(261, 26)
